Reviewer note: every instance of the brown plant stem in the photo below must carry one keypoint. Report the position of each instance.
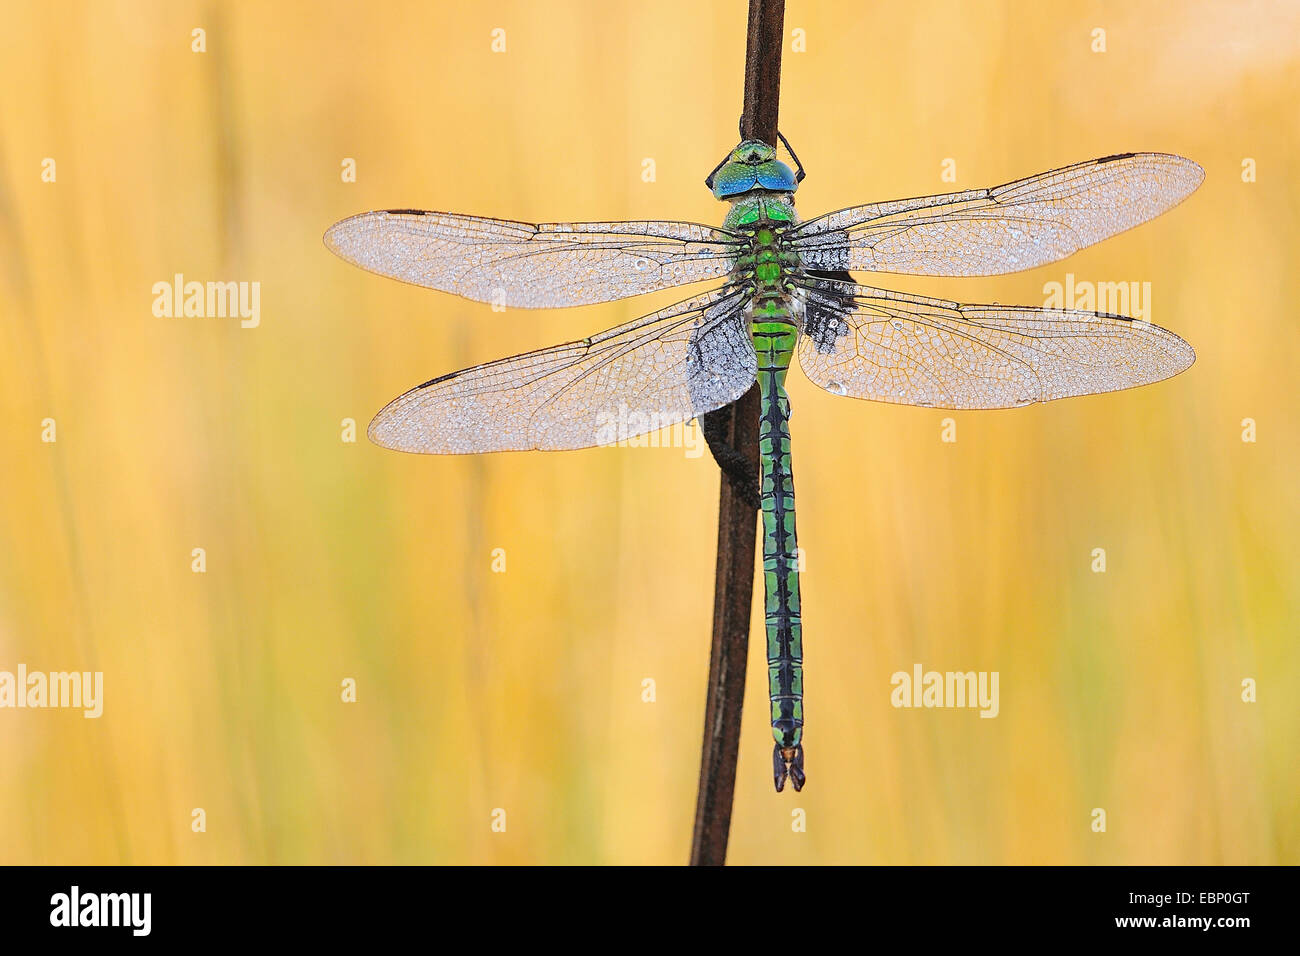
(737, 426)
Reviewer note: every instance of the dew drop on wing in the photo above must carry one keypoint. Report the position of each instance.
(835, 388)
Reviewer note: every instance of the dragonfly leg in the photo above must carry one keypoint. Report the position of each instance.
(799, 174)
(708, 180)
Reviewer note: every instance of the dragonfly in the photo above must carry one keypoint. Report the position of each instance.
(782, 288)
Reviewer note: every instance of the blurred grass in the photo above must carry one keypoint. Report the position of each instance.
(522, 690)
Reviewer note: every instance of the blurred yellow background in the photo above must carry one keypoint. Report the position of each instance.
(329, 560)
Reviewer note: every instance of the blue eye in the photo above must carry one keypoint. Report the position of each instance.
(776, 175)
(733, 179)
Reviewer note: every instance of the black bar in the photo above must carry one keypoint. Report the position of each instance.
(978, 907)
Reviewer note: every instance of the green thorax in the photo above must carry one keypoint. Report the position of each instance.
(759, 206)
(766, 263)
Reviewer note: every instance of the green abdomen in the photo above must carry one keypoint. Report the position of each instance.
(774, 339)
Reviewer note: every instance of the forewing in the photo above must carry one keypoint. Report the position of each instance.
(912, 350)
(523, 265)
(1008, 228)
(656, 371)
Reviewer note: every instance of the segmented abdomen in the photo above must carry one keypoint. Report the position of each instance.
(775, 333)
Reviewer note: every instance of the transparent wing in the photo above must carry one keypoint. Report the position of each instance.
(911, 350)
(659, 370)
(1021, 225)
(531, 266)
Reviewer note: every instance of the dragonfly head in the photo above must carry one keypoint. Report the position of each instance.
(751, 165)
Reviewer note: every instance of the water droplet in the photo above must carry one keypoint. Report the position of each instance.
(835, 388)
